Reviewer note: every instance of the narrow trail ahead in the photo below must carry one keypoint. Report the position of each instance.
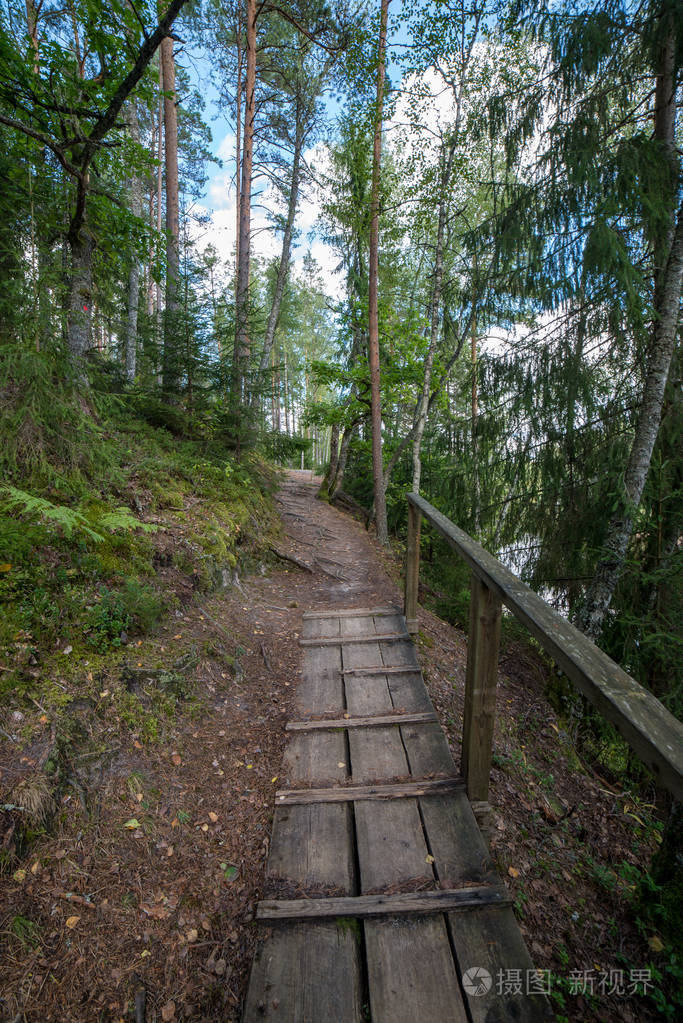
(345, 562)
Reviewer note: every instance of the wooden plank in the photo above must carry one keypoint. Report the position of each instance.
(411, 974)
(427, 750)
(312, 846)
(315, 758)
(306, 972)
(350, 793)
(390, 637)
(490, 939)
(368, 721)
(353, 612)
(321, 688)
(381, 905)
(651, 730)
(322, 628)
(381, 669)
(460, 854)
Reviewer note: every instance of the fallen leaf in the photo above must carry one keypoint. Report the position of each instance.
(656, 943)
(205, 827)
(192, 934)
(178, 636)
(67, 649)
(513, 872)
(206, 923)
(177, 759)
(429, 858)
(168, 1011)
(170, 850)
(5, 567)
(72, 921)
(146, 952)
(341, 764)
(213, 817)
(273, 780)
(132, 824)
(36, 867)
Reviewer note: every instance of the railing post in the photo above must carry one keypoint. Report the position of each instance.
(480, 691)
(412, 568)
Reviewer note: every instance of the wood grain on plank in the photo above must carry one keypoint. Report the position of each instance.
(306, 972)
(382, 790)
(367, 721)
(491, 940)
(381, 905)
(389, 637)
(312, 846)
(353, 612)
(411, 974)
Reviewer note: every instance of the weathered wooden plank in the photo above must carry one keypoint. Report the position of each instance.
(316, 758)
(367, 721)
(651, 730)
(490, 939)
(320, 628)
(390, 637)
(381, 905)
(321, 688)
(351, 793)
(306, 973)
(381, 669)
(411, 974)
(353, 612)
(312, 846)
(427, 750)
(460, 853)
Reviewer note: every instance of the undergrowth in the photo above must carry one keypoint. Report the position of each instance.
(96, 496)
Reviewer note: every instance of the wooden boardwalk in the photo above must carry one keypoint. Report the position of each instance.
(382, 902)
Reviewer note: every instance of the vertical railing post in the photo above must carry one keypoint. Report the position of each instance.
(480, 690)
(412, 568)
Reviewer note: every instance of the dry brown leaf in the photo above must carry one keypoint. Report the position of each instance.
(72, 921)
(168, 1011)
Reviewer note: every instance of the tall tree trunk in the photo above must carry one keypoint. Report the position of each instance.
(134, 272)
(283, 268)
(423, 402)
(170, 372)
(337, 482)
(238, 141)
(668, 275)
(286, 394)
(242, 340)
(373, 314)
(159, 324)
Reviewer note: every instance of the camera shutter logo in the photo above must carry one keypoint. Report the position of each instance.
(477, 980)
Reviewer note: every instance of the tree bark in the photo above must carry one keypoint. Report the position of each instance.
(373, 313)
(283, 268)
(242, 340)
(79, 318)
(134, 271)
(423, 402)
(170, 373)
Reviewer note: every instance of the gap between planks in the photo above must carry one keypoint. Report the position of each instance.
(445, 900)
(350, 793)
(375, 721)
(380, 637)
(381, 669)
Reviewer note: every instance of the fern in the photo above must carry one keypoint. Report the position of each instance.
(121, 519)
(71, 520)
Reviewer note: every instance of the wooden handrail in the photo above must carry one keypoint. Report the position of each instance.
(653, 733)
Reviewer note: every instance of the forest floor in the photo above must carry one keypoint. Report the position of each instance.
(142, 883)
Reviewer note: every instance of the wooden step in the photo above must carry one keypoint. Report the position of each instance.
(354, 612)
(447, 900)
(380, 669)
(350, 793)
(380, 637)
(376, 721)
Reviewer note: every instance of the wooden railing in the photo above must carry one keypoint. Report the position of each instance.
(653, 733)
